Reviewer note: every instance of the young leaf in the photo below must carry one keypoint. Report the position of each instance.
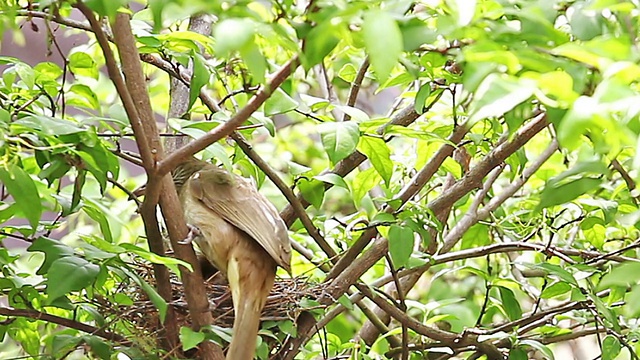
(190, 338)
(233, 34)
(510, 304)
(401, 243)
(421, 97)
(619, 276)
(364, 181)
(498, 94)
(256, 62)
(155, 298)
(333, 179)
(610, 348)
(312, 191)
(544, 350)
(339, 139)
(199, 78)
(319, 42)
(377, 151)
(383, 41)
(279, 103)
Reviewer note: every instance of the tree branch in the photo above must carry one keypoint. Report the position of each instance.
(474, 215)
(227, 128)
(54, 319)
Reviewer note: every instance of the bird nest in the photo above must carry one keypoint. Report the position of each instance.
(289, 297)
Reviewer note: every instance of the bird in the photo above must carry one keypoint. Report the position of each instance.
(242, 234)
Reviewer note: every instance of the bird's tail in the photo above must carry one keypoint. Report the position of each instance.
(249, 290)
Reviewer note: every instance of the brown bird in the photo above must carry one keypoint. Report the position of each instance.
(242, 234)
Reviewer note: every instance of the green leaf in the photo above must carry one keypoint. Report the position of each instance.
(53, 250)
(81, 63)
(155, 298)
(279, 103)
(356, 114)
(619, 276)
(312, 191)
(105, 7)
(232, 35)
(546, 352)
(70, 273)
(348, 72)
(98, 346)
(96, 213)
(401, 241)
(77, 192)
(363, 182)
(333, 179)
(259, 118)
(319, 42)
(510, 304)
(557, 271)
(556, 289)
(517, 354)
(610, 347)
(339, 139)
(49, 125)
(155, 258)
(557, 195)
(256, 62)
(498, 94)
(199, 78)
(383, 42)
(606, 312)
(377, 151)
(421, 97)
(24, 192)
(632, 301)
(190, 338)
(287, 327)
(344, 301)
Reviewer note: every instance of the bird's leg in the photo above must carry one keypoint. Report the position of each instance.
(191, 235)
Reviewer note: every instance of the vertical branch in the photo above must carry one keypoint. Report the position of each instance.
(138, 107)
(193, 282)
(147, 211)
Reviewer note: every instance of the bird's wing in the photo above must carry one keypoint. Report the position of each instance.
(236, 200)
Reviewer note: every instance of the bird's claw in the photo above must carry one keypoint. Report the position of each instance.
(218, 300)
(191, 235)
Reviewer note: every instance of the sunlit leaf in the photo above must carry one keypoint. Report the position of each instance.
(383, 41)
(379, 154)
(498, 94)
(339, 139)
(279, 103)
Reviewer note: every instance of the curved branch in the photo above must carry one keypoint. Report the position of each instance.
(171, 161)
